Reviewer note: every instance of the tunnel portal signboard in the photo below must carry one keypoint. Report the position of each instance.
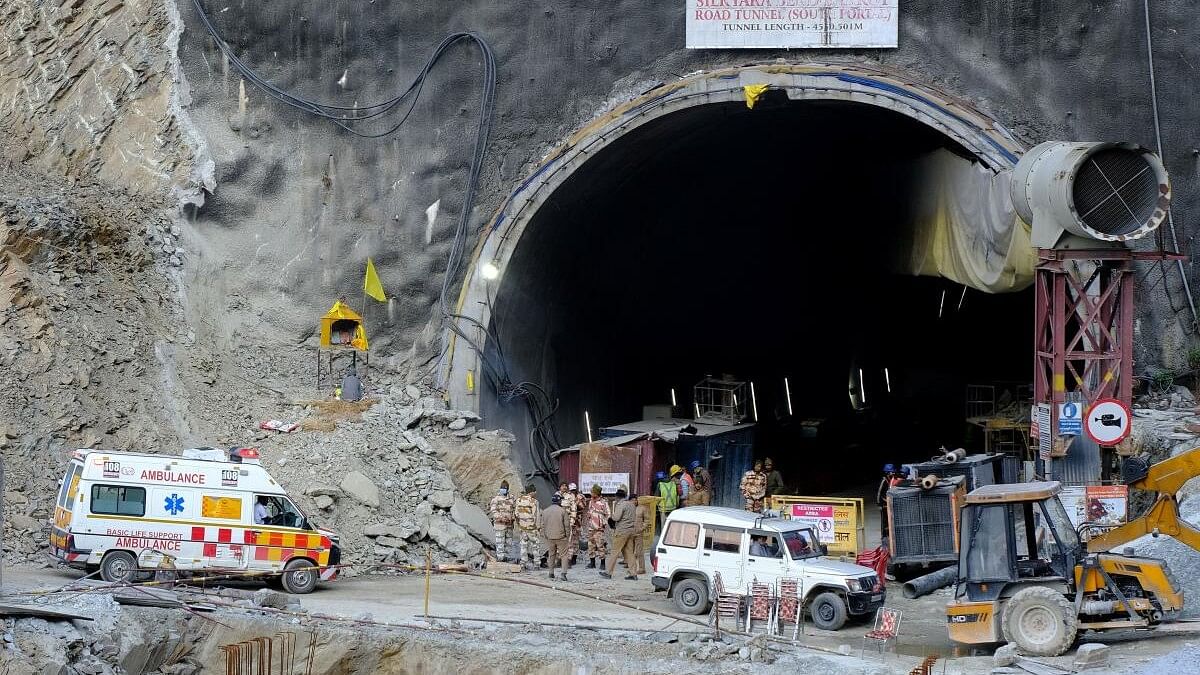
(768, 24)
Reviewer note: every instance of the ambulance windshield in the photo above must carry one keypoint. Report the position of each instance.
(282, 512)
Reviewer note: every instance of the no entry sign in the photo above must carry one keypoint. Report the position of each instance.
(1107, 422)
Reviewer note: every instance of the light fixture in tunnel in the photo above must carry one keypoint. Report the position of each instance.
(587, 424)
(862, 389)
(787, 391)
(887, 379)
(753, 402)
(673, 401)
(697, 407)
(490, 271)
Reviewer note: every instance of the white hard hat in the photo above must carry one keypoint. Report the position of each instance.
(572, 486)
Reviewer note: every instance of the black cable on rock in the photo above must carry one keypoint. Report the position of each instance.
(543, 437)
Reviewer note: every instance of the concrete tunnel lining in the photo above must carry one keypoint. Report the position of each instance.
(967, 132)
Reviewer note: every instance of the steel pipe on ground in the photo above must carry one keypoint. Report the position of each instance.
(915, 588)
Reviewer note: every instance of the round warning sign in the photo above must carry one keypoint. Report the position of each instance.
(1107, 421)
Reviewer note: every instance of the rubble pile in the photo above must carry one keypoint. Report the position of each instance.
(86, 307)
(1165, 426)
(386, 482)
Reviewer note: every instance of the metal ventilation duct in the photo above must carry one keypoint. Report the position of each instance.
(1102, 191)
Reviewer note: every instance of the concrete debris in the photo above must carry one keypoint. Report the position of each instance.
(1005, 655)
(1091, 656)
(361, 488)
(473, 519)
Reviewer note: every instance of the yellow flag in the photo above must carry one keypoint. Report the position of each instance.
(753, 92)
(371, 285)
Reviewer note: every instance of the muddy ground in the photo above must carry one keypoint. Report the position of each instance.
(550, 627)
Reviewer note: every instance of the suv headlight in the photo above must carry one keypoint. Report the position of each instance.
(853, 585)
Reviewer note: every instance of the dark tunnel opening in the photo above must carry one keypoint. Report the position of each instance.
(759, 244)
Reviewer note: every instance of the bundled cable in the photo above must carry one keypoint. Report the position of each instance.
(543, 438)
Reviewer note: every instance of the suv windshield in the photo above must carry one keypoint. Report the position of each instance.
(801, 544)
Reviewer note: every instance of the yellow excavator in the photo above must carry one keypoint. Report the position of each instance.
(1024, 575)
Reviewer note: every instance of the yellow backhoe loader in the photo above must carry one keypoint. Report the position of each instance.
(1024, 575)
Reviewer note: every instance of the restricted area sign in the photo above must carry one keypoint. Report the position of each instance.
(819, 516)
(1107, 422)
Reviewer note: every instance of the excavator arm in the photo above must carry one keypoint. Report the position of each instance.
(1166, 478)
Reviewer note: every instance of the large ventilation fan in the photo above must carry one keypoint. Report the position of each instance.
(1113, 192)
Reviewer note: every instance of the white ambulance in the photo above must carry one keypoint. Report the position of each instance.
(209, 511)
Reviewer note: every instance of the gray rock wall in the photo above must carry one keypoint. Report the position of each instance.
(299, 204)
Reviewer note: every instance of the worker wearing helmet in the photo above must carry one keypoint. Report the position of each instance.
(668, 496)
(683, 482)
(891, 477)
(700, 474)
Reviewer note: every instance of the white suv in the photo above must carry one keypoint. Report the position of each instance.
(699, 541)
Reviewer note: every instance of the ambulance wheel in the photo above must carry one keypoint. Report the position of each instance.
(300, 577)
(118, 567)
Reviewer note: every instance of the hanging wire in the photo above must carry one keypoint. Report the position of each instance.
(540, 406)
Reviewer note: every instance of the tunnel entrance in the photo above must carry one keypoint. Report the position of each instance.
(759, 244)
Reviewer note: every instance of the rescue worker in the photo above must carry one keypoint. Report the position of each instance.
(890, 478)
(570, 503)
(623, 522)
(683, 482)
(641, 521)
(501, 509)
(578, 507)
(775, 484)
(701, 495)
(754, 487)
(668, 497)
(701, 474)
(528, 515)
(597, 516)
(556, 527)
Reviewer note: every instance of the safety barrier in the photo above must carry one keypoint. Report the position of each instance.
(839, 521)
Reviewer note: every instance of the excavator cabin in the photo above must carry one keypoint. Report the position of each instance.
(1024, 575)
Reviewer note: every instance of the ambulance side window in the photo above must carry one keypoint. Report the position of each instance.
(118, 500)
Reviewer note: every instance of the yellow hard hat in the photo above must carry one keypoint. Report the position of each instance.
(676, 469)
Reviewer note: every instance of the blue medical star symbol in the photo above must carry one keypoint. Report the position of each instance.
(173, 504)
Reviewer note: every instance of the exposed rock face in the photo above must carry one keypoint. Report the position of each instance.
(87, 87)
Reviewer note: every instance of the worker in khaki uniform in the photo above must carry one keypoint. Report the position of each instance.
(579, 508)
(623, 521)
(597, 517)
(701, 495)
(502, 509)
(556, 527)
(754, 487)
(529, 515)
(570, 503)
(641, 520)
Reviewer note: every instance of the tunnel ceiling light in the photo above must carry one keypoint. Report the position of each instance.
(673, 401)
(490, 271)
(862, 387)
(753, 402)
(735, 402)
(587, 423)
(787, 390)
(697, 407)
(887, 378)
(942, 303)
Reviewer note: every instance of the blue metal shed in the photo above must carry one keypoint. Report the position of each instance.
(727, 451)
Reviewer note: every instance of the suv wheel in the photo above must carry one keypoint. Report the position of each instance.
(828, 611)
(690, 596)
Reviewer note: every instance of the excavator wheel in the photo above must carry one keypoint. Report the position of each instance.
(1040, 621)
